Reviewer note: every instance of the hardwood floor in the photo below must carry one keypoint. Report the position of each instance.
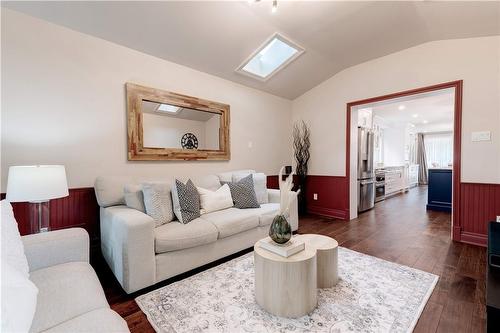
(398, 229)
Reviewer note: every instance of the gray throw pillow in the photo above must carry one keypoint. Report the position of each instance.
(186, 200)
(243, 193)
(134, 198)
(259, 185)
(158, 202)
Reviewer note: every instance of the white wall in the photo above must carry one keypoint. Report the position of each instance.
(212, 132)
(63, 102)
(474, 60)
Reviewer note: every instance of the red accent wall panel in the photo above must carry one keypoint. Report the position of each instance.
(332, 194)
(78, 209)
(479, 204)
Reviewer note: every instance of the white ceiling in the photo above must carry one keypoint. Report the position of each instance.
(215, 37)
(429, 112)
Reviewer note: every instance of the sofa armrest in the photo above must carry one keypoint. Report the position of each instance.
(56, 247)
(127, 242)
(273, 195)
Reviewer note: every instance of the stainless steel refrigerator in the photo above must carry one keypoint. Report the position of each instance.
(366, 171)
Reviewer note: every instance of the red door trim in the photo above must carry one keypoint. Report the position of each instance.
(457, 141)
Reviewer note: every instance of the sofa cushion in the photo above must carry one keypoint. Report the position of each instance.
(267, 212)
(228, 176)
(158, 202)
(177, 236)
(100, 320)
(243, 193)
(233, 220)
(259, 185)
(109, 190)
(211, 201)
(134, 198)
(65, 291)
(186, 201)
(210, 182)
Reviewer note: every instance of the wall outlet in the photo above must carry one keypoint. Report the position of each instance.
(315, 196)
(498, 218)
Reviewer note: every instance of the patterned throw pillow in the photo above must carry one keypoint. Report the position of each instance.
(259, 185)
(243, 193)
(186, 201)
(157, 202)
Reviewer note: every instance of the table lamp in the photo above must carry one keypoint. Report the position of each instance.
(37, 184)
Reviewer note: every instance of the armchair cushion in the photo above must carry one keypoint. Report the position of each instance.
(65, 291)
(177, 236)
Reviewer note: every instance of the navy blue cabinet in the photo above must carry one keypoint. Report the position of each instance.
(439, 191)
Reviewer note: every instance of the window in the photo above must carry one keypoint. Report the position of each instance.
(439, 150)
(274, 55)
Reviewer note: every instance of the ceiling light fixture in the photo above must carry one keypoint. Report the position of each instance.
(415, 115)
(401, 107)
(425, 121)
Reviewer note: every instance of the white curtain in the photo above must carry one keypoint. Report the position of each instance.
(439, 149)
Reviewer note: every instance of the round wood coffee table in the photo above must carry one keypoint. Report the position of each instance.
(326, 257)
(286, 287)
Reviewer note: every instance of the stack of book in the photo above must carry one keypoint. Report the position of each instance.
(286, 250)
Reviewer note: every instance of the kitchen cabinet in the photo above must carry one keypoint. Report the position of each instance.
(413, 175)
(394, 180)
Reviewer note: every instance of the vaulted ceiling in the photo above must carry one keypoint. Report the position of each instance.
(215, 37)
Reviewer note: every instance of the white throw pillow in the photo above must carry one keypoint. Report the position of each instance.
(158, 202)
(12, 245)
(211, 201)
(18, 300)
(259, 185)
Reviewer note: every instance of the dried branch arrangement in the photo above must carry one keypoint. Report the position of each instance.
(301, 146)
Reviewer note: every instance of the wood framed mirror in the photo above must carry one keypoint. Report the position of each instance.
(163, 125)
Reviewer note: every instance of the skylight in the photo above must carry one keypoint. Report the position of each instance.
(168, 108)
(275, 54)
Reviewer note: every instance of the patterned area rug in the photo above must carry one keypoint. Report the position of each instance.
(372, 295)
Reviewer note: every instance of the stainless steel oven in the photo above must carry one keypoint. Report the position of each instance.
(379, 185)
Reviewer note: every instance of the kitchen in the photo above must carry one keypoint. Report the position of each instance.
(403, 145)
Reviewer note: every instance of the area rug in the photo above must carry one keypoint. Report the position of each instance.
(372, 295)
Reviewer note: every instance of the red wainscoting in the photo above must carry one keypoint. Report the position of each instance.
(331, 191)
(79, 209)
(479, 204)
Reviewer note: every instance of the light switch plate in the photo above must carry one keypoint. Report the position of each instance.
(481, 136)
(315, 196)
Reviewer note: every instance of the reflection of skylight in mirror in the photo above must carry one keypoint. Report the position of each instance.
(168, 108)
(276, 53)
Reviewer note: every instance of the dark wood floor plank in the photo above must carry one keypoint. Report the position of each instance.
(398, 229)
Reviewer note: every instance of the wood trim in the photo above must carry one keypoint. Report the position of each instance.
(328, 212)
(474, 239)
(136, 149)
(457, 135)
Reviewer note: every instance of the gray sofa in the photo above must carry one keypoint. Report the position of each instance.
(141, 255)
(70, 297)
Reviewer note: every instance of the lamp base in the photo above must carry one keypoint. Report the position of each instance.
(39, 217)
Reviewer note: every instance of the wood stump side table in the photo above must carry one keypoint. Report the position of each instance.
(326, 257)
(286, 287)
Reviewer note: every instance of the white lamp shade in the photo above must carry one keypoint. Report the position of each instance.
(36, 183)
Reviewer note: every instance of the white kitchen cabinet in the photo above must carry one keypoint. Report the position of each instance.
(413, 175)
(394, 180)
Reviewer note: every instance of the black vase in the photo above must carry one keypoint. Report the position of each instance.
(280, 230)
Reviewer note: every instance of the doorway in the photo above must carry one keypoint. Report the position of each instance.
(358, 108)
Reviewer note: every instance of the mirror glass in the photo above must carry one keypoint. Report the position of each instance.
(170, 126)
